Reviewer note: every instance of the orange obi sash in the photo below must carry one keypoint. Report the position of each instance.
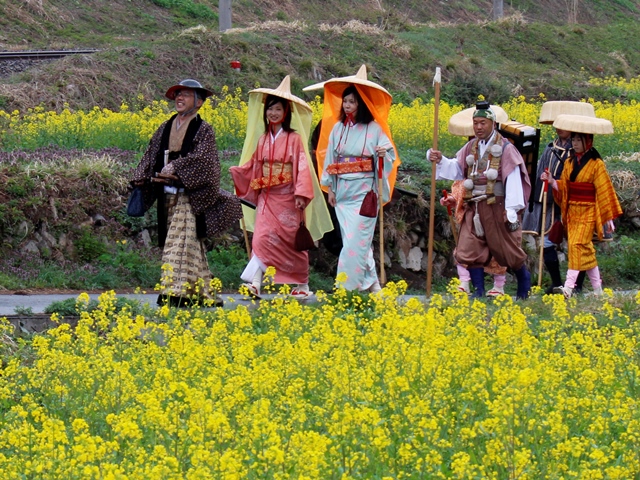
(582, 192)
(284, 175)
(350, 165)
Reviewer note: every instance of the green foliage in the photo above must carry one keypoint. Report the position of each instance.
(187, 7)
(69, 306)
(141, 270)
(89, 247)
(22, 310)
(621, 265)
(227, 264)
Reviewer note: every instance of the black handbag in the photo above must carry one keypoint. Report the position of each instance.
(135, 204)
(304, 240)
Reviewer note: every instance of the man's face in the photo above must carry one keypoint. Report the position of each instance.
(563, 134)
(482, 127)
(186, 100)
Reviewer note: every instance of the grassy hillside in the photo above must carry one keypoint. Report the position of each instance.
(145, 45)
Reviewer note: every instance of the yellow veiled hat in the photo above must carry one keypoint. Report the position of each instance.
(461, 123)
(318, 219)
(283, 91)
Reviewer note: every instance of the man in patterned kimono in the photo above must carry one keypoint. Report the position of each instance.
(181, 170)
(586, 197)
(496, 186)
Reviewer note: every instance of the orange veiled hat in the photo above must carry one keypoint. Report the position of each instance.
(377, 99)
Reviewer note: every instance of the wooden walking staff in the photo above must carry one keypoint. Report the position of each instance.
(244, 227)
(452, 221)
(543, 226)
(432, 208)
(383, 275)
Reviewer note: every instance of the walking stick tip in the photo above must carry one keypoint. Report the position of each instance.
(438, 77)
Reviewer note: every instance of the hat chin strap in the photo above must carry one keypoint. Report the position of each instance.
(188, 112)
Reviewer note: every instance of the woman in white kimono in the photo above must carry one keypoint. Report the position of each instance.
(353, 146)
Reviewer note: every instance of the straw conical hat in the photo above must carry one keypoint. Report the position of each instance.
(359, 78)
(461, 123)
(583, 124)
(551, 110)
(283, 91)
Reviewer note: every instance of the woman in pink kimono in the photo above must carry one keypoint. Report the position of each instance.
(277, 178)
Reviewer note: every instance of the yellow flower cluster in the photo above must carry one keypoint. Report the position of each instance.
(618, 86)
(354, 387)
(411, 125)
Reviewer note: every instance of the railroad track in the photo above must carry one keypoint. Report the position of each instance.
(42, 54)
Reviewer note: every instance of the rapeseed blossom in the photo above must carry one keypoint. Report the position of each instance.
(411, 124)
(353, 387)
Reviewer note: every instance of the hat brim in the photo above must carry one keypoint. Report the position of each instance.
(280, 93)
(583, 124)
(550, 110)
(340, 83)
(461, 123)
(171, 93)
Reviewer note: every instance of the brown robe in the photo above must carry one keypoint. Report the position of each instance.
(198, 168)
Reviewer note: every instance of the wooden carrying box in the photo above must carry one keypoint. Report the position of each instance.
(527, 140)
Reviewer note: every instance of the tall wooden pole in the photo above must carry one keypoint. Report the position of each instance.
(543, 227)
(383, 275)
(432, 203)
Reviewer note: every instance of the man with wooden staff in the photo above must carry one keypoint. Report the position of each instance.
(496, 186)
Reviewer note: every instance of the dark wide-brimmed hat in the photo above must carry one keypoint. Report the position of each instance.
(187, 83)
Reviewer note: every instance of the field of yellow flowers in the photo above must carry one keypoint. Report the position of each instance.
(412, 125)
(353, 387)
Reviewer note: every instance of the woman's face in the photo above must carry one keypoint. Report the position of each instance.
(577, 141)
(275, 113)
(350, 104)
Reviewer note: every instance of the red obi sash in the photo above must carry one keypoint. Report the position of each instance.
(350, 165)
(582, 192)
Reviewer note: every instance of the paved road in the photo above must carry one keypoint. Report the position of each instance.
(37, 303)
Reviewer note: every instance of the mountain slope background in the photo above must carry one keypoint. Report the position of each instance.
(145, 45)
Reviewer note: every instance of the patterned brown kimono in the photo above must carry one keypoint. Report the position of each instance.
(200, 209)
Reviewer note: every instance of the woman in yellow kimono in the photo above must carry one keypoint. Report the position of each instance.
(586, 197)
(276, 175)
